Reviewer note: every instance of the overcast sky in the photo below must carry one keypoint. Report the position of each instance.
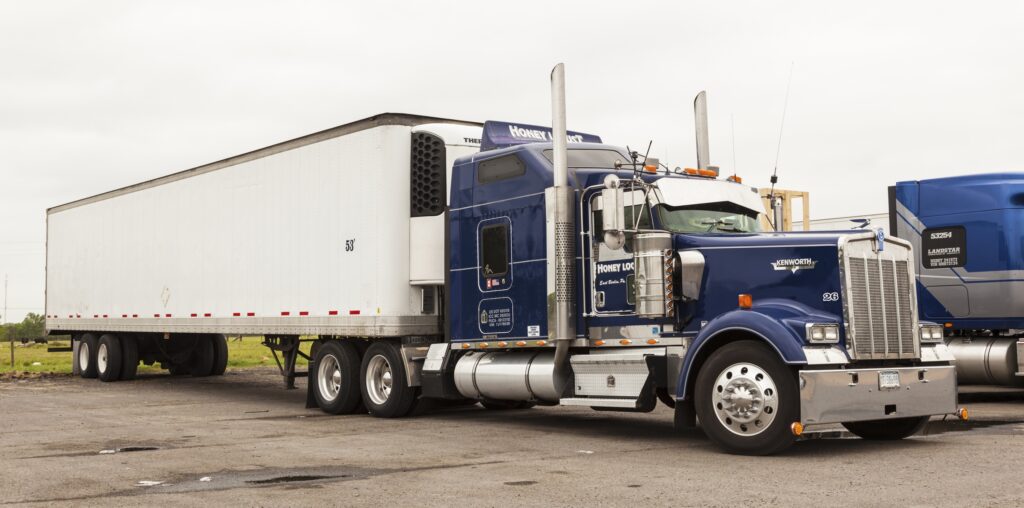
(97, 95)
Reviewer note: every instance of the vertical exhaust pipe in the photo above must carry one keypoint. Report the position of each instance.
(561, 255)
(559, 132)
(700, 118)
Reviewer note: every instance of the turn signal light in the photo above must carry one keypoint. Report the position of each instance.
(796, 428)
(746, 301)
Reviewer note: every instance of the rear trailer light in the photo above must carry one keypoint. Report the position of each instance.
(931, 333)
(827, 333)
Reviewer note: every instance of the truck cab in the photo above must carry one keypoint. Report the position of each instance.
(674, 294)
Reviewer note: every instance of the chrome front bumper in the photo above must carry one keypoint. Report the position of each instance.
(850, 395)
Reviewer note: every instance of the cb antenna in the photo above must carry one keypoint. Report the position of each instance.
(775, 202)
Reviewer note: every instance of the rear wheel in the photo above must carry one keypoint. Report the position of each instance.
(87, 355)
(385, 390)
(746, 399)
(201, 363)
(220, 354)
(129, 357)
(336, 383)
(888, 430)
(108, 358)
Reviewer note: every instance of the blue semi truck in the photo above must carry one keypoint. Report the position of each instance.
(968, 233)
(505, 264)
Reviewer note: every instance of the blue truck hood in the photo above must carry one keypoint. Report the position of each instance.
(802, 268)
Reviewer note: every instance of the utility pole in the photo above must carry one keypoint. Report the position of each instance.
(3, 321)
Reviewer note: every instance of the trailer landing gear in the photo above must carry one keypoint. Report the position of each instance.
(288, 345)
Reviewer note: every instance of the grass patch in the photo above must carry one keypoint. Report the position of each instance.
(242, 352)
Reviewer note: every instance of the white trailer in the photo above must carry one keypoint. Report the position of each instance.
(336, 233)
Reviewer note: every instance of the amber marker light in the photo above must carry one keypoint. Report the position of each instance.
(625, 342)
(502, 344)
(465, 346)
(598, 342)
(521, 343)
(541, 343)
(735, 178)
(948, 325)
(484, 344)
(652, 341)
(796, 428)
(962, 414)
(651, 169)
(746, 301)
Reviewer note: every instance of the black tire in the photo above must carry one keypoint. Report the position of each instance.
(220, 354)
(888, 430)
(201, 363)
(386, 393)
(726, 371)
(340, 394)
(129, 357)
(87, 355)
(108, 358)
(178, 370)
(503, 405)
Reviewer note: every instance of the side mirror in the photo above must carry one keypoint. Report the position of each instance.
(613, 215)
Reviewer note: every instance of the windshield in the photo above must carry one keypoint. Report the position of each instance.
(721, 217)
(598, 159)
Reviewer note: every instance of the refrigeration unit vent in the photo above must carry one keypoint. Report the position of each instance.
(428, 180)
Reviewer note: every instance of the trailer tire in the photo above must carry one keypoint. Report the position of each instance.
(87, 355)
(108, 358)
(386, 392)
(220, 354)
(887, 430)
(201, 363)
(335, 378)
(129, 357)
(747, 398)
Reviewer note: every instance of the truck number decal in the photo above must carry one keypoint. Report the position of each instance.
(350, 245)
(830, 296)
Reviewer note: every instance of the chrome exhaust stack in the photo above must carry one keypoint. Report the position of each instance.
(559, 205)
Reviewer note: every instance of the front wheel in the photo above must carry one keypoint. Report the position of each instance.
(747, 398)
(887, 430)
(385, 390)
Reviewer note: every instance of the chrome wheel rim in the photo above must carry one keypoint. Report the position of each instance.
(378, 380)
(83, 356)
(101, 358)
(745, 399)
(328, 376)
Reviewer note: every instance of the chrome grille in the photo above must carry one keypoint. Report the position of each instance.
(880, 309)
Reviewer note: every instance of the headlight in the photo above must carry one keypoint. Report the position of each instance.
(931, 333)
(823, 333)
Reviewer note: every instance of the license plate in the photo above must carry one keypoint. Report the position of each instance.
(888, 379)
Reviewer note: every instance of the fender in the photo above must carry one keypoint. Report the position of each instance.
(780, 323)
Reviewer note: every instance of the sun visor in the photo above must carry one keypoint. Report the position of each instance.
(694, 191)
